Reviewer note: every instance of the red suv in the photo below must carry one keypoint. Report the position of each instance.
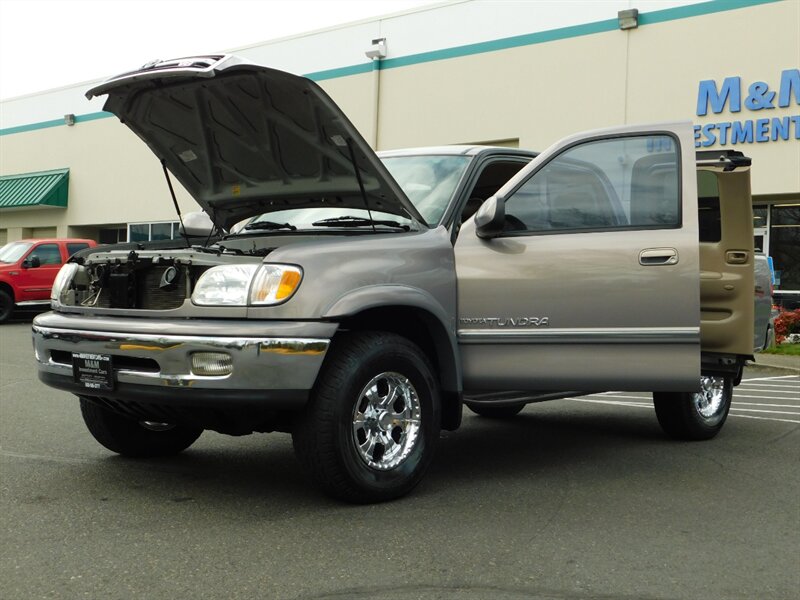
(28, 268)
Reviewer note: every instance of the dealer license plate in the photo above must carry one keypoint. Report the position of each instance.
(93, 371)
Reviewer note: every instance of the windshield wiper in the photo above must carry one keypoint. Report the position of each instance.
(349, 221)
(270, 225)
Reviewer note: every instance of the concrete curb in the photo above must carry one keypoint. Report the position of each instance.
(789, 364)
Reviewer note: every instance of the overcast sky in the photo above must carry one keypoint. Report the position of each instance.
(46, 44)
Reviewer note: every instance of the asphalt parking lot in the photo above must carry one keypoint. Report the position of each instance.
(574, 499)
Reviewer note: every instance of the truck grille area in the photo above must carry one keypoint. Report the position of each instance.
(140, 284)
(141, 289)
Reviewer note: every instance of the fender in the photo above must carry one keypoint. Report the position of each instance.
(440, 322)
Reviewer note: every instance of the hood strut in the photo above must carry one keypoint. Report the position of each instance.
(360, 182)
(175, 202)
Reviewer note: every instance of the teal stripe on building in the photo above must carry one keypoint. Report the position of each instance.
(645, 19)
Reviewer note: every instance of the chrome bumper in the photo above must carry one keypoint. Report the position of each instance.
(162, 363)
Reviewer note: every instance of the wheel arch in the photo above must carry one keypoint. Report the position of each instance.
(8, 289)
(417, 317)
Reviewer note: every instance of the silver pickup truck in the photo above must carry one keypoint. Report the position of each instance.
(360, 301)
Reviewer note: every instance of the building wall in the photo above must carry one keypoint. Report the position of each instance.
(472, 71)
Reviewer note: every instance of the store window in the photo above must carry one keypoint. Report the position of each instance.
(784, 245)
(147, 232)
(761, 228)
(112, 235)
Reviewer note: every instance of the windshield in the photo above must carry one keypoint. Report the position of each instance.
(428, 180)
(310, 218)
(11, 253)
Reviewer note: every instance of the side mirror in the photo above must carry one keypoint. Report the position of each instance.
(490, 218)
(31, 263)
(197, 224)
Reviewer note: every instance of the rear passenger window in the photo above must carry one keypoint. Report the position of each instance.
(608, 184)
(73, 248)
(48, 254)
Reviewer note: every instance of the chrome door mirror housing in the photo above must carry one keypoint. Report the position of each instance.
(490, 218)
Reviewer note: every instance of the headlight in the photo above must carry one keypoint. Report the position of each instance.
(226, 285)
(62, 281)
(240, 285)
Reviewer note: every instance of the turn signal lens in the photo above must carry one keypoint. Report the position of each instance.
(274, 284)
(289, 282)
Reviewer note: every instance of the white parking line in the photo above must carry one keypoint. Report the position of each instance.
(778, 389)
(775, 412)
(763, 418)
(738, 395)
(610, 402)
(771, 386)
(765, 404)
(777, 378)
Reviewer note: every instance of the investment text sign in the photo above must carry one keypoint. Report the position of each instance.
(757, 100)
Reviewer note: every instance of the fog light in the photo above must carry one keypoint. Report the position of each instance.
(212, 364)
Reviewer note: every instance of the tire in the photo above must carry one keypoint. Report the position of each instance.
(358, 445)
(695, 416)
(133, 438)
(6, 306)
(496, 412)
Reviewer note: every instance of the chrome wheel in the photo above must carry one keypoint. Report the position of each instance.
(386, 421)
(695, 415)
(710, 401)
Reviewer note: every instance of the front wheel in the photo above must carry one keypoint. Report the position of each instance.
(6, 306)
(369, 432)
(136, 439)
(695, 415)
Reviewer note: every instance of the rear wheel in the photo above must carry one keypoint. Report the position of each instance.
(138, 439)
(698, 415)
(369, 432)
(496, 412)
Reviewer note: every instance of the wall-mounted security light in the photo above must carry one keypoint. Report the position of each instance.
(69, 119)
(628, 19)
(378, 49)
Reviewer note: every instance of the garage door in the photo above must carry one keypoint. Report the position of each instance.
(3, 236)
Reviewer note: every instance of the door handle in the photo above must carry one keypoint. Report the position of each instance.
(650, 257)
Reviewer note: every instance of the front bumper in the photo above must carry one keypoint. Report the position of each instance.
(153, 360)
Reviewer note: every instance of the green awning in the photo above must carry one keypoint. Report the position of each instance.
(35, 190)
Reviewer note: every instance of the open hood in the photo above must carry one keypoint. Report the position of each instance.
(245, 139)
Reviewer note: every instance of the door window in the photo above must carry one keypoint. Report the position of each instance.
(48, 254)
(607, 184)
(75, 247)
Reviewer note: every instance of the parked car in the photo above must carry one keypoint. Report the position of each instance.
(369, 298)
(764, 311)
(28, 268)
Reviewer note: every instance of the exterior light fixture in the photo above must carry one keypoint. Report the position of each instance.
(628, 19)
(377, 50)
(69, 119)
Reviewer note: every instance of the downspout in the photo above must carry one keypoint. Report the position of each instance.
(377, 53)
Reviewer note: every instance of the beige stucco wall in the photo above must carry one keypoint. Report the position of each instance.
(113, 179)
(536, 94)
